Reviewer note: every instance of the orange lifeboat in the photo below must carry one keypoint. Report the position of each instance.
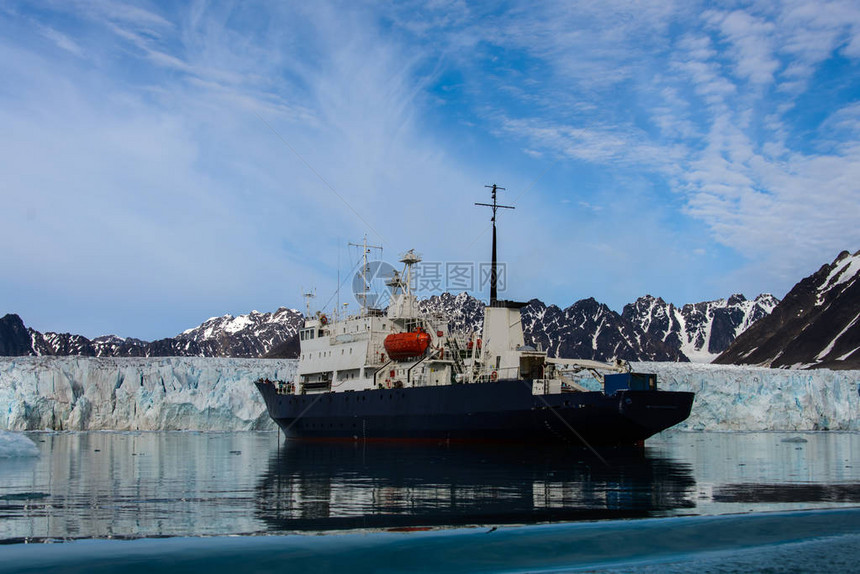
(400, 346)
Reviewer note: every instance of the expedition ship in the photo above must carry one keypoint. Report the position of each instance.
(401, 374)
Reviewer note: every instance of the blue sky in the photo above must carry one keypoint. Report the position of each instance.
(161, 163)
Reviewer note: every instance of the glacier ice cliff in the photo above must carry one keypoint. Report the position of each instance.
(175, 393)
(742, 398)
(196, 393)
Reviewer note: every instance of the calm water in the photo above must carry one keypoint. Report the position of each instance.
(177, 483)
(132, 485)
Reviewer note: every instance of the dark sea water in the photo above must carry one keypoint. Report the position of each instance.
(705, 502)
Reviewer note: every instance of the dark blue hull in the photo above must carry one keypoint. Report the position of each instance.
(499, 411)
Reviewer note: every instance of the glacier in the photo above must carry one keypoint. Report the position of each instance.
(744, 398)
(218, 394)
(101, 393)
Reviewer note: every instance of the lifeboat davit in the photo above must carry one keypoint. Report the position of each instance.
(400, 346)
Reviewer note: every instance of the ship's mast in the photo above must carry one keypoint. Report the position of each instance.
(308, 295)
(409, 259)
(493, 272)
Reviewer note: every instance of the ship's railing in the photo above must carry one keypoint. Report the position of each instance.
(467, 345)
(454, 347)
(281, 387)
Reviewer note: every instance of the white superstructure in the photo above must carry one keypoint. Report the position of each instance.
(350, 354)
(402, 347)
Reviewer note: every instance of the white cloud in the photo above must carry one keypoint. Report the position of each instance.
(118, 12)
(152, 154)
(781, 207)
(62, 41)
(810, 32)
(171, 183)
(751, 39)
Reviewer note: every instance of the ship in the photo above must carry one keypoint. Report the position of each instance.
(400, 374)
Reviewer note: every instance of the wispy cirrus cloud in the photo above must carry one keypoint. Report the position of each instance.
(174, 141)
(707, 98)
(62, 41)
(158, 160)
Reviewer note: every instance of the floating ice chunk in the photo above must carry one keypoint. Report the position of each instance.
(14, 445)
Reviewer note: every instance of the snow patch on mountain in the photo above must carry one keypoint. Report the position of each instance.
(649, 329)
(251, 335)
(815, 325)
(700, 331)
(845, 269)
(463, 312)
(590, 330)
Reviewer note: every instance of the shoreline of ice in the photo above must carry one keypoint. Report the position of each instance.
(217, 394)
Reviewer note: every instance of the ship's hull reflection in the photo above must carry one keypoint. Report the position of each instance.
(337, 486)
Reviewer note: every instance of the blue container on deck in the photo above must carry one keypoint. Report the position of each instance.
(629, 382)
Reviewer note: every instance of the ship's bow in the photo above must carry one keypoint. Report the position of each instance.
(655, 411)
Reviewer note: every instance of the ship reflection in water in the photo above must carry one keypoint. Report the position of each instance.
(341, 486)
(132, 485)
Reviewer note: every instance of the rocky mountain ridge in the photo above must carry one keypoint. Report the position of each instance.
(246, 336)
(817, 324)
(700, 331)
(647, 330)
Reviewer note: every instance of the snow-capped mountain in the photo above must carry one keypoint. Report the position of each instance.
(591, 330)
(464, 312)
(700, 331)
(816, 325)
(648, 329)
(252, 335)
